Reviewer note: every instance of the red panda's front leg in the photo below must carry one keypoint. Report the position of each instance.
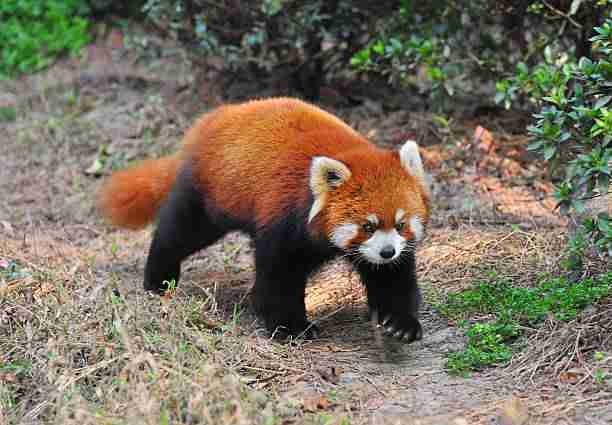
(284, 258)
(394, 294)
(278, 298)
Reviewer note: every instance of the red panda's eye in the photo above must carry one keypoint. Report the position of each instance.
(332, 177)
(369, 227)
(399, 226)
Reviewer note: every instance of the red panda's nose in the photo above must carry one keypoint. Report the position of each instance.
(387, 252)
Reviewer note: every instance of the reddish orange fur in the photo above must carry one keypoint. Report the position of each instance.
(378, 185)
(132, 197)
(252, 161)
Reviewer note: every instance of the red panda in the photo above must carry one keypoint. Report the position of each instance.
(305, 186)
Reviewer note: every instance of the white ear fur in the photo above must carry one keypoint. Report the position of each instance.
(411, 159)
(321, 169)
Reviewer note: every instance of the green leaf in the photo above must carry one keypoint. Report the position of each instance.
(564, 136)
(378, 47)
(361, 58)
(534, 146)
(603, 223)
(602, 101)
(449, 88)
(271, 7)
(585, 63)
(535, 129)
(549, 152)
(396, 45)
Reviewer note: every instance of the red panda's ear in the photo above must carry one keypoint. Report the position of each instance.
(411, 158)
(411, 161)
(326, 174)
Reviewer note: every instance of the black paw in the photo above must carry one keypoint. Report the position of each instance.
(403, 328)
(304, 330)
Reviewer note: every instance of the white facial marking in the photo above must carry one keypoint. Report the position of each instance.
(372, 218)
(342, 235)
(399, 215)
(316, 208)
(371, 248)
(416, 226)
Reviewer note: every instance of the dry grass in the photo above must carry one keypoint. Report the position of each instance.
(575, 353)
(79, 349)
(456, 258)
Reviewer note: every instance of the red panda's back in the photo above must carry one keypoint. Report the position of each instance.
(253, 159)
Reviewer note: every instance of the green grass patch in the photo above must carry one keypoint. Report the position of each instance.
(16, 367)
(8, 114)
(34, 32)
(504, 309)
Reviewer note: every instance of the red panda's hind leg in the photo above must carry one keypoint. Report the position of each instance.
(183, 228)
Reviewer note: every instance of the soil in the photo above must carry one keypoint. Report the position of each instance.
(493, 211)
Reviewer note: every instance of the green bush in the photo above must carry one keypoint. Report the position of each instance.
(297, 41)
(34, 32)
(447, 49)
(573, 126)
(460, 49)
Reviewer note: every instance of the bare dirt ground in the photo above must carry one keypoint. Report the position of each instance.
(80, 342)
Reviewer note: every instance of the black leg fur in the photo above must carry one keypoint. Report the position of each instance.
(394, 294)
(183, 228)
(278, 297)
(284, 259)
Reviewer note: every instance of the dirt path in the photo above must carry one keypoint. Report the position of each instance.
(48, 166)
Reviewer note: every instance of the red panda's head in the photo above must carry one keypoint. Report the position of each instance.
(372, 203)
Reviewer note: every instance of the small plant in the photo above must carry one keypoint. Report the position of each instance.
(114, 248)
(34, 32)
(601, 373)
(486, 346)
(171, 285)
(508, 308)
(600, 376)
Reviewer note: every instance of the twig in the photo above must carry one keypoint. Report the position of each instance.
(562, 14)
(91, 370)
